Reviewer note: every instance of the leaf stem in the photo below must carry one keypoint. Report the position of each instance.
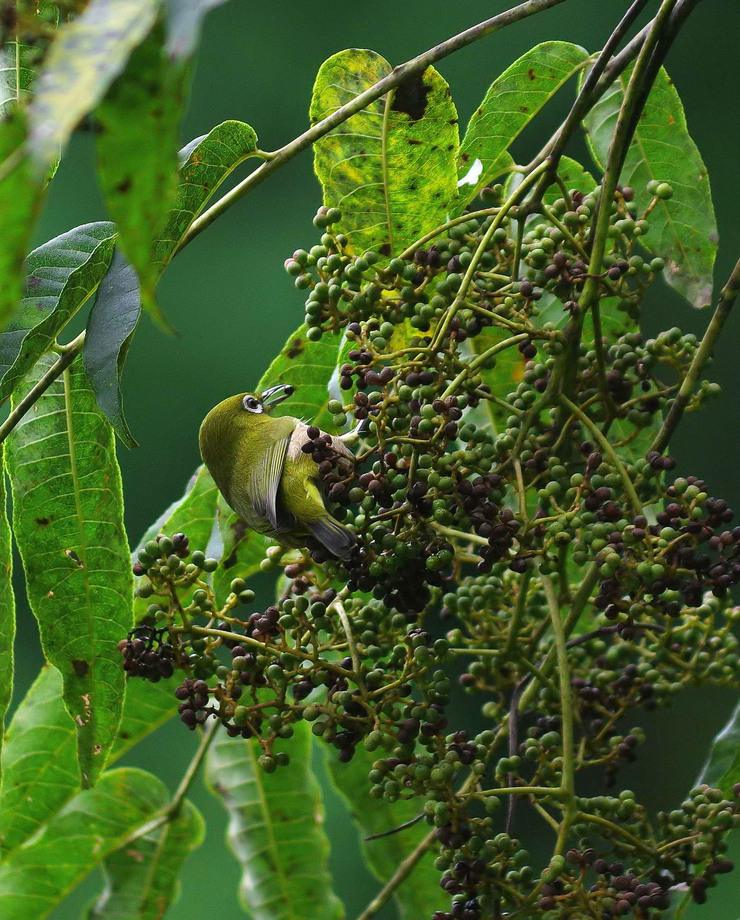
(42, 385)
(397, 76)
(703, 354)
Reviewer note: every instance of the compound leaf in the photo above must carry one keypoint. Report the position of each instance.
(61, 276)
(275, 828)
(90, 51)
(511, 102)
(683, 229)
(142, 878)
(390, 168)
(37, 876)
(68, 524)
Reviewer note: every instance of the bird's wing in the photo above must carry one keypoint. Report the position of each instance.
(264, 480)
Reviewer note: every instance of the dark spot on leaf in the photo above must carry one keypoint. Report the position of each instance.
(385, 249)
(465, 157)
(411, 97)
(80, 666)
(297, 347)
(33, 281)
(42, 522)
(124, 186)
(124, 736)
(412, 140)
(71, 554)
(450, 146)
(531, 74)
(524, 108)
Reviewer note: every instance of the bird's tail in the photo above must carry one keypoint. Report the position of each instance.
(337, 538)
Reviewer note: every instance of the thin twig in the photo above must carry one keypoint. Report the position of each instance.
(42, 385)
(399, 876)
(397, 76)
(703, 354)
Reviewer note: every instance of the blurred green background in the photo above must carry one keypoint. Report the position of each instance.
(233, 306)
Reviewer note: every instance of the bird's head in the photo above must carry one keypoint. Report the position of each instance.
(255, 404)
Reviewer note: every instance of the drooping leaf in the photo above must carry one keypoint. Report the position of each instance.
(574, 178)
(137, 155)
(7, 606)
(61, 276)
(35, 877)
(184, 21)
(722, 769)
(20, 197)
(682, 230)
(390, 168)
(275, 828)
(511, 102)
(204, 164)
(110, 328)
(40, 762)
(142, 878)
(90, 51)
(68, 524)
(420, 894)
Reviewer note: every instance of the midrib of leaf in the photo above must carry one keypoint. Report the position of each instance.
(384, 165)
(257, 774)
(69, 421)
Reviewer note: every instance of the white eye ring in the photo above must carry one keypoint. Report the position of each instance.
(251, 404)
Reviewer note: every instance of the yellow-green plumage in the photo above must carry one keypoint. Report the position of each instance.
(258, 465)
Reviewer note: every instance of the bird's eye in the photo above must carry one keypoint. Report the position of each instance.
(251, 403)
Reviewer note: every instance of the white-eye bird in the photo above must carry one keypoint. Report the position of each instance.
(258, 463)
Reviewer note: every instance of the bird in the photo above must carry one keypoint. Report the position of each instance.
(258, 464)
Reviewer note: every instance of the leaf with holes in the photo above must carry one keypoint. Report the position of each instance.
(419, 895)
(139, 120)
(36, 877)
(390, 168)
(7, 606)
(275, 828)
(68, 524)
(142, 878)
(511, 102)
(90, 51)
(61, 276)
(683, 229)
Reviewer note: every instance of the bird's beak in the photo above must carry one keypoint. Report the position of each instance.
(276, 395)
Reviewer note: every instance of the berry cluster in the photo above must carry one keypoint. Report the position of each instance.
(521, 543)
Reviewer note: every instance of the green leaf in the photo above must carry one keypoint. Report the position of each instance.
(575, 178)
(37, 876)
(142, 877)
(68, 524)
(137, 155)
(275, 828)
(110, 329)
(308, 366)
(390, 168)
(511, 102)
(20, 197)
(418, 896)
(505, 376)
(205, 163)
(90, 51)
(7, 606)
(184, 21)
(39, 759)
(40, 771)
(682, 230)
(16, 75)
(722, 769)
(61, 276)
